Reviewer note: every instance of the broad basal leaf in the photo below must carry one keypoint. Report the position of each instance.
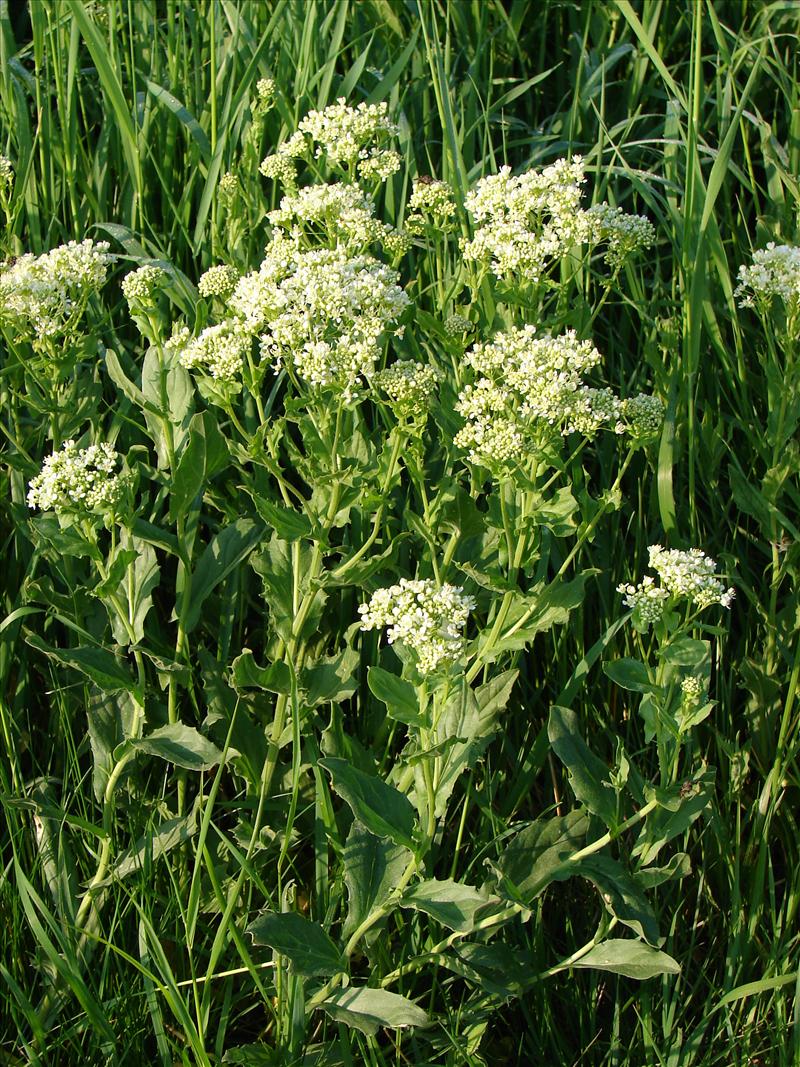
(450, 903)
(399, 696)
(246, 674)
(539, 854)
(103, 667)
(621, 895)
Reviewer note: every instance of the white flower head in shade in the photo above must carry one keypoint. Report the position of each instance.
(77, 479)
(774, 272)
(428, 620)
(43, 297)
(218, 351)
(624, 235)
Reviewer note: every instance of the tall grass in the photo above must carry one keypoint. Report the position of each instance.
(121, 118)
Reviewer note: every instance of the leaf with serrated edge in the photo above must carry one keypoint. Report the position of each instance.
(304, 943)
(384, 810)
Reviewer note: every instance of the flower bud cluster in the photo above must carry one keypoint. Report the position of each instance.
(427, 620)
(42, 297)
(647, 601)
(343, 133)
(280, 168)
(692, 690)
(219, 280)
(624, 235)
(455, 325)
(775, 272)
(380, 165)
(410, 387)
(77, 479)
(526, 222)
(642, 417)
(6, 174)
(228, 189)
(141, 286)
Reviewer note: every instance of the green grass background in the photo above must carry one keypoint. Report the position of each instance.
(122, 115)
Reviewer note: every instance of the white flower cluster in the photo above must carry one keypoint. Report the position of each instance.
(410, 387)
(257, 297)
(6, 174)
(265, 90)
(140, 286)
(775, 271)
(344, 214)
(294, 147)
(526, 382)
(379, 165)
(219, 280)
(334, 310)
(432, 202)
(624, 234)
(280, 168)
(342, 133)
(228, 189)
(525, 222)
(690, 575)
(218, 350)
(692, 689)
(42, 297)
(428, 620)
(77, 478)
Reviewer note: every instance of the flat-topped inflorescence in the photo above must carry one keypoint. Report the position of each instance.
(427, 619)
(77, 479)
(685, 576)
(774, 272)
(43, 297)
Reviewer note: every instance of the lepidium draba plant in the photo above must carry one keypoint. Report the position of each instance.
(357, 486)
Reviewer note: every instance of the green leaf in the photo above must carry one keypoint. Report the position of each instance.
(621, 895)
(152, 846)
(110, 722)
(372, 866)
(466, 726)
(587, 773)
(539, 854)
(304, 943)
(450, 903)
(369, 1009)
(180, 744)
(399, 696)
(135, 589)
(384, 810)
(192, 471)
(679, 866)
(103, 667)
(688, 802)
(64, 541)
(331, 679)
(629, 674)
(226, 551)
(634, 959)
(246, 674)
(536, 612)
(288, 524)
(685, 652)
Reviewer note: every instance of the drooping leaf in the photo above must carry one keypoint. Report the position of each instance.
(453, 904)
(634, 959)
(180, 744)
(369, 1009)
(384, 810)
(621, 894)
(588, 775)
(246, 673)
(102, 666)
(372, 868)
(305, 944)
(534, 613)
(65, 541)
(399, 696)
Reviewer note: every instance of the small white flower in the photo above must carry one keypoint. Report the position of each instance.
(342, 132)
(140, 286)
(690, 575)
(625, 235)
(775, 272)
(219, 350)
(219, 280)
